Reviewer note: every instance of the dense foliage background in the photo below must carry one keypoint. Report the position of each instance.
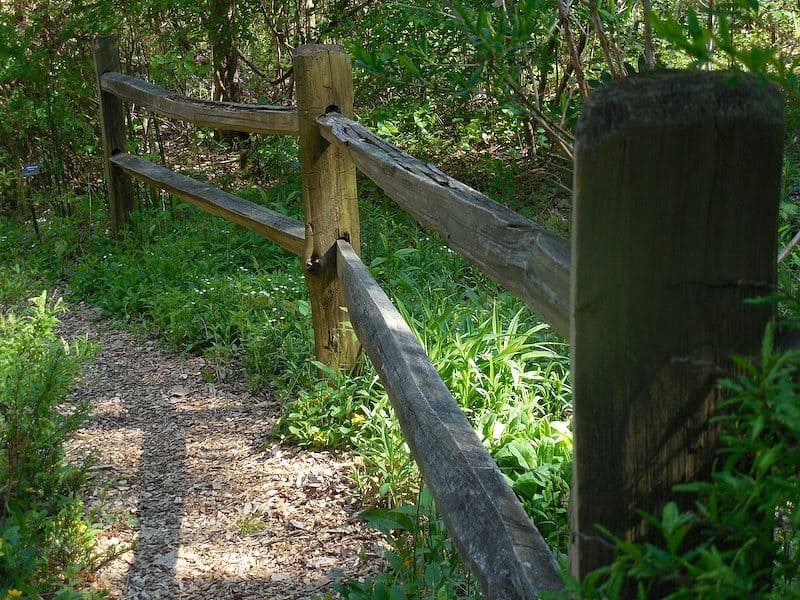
(502, 76)
(490, 90)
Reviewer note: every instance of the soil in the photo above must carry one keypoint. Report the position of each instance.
(192, 502)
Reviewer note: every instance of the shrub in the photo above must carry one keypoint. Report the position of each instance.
(45, 542)
(423, 561)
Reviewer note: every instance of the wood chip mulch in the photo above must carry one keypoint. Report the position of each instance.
(191, 503)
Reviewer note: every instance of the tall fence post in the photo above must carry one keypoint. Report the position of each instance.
(324, 83)
(676, 191)
(112, 127)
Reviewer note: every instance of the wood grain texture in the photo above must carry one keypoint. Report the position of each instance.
(520, 255)
(284, 231)
(323, 78)
(231, 116)
(112, 131)
(674, 226)
(494, 536)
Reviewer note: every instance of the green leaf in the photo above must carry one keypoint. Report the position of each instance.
(767, 458)
(385, 520)
(695, 30)
(409, 65)
(518, 453)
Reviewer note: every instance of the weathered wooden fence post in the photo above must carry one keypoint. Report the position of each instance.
(324, 83)
(112, 127)
(676, 191)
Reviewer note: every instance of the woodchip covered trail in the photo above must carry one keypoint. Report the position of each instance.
(181, 481)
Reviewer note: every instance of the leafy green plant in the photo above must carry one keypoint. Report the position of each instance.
(14, 284)
(251, 525)
(423, 562)
(45, 541)
(209, 287)
(731, 34)
(538, 466)
(327, 415)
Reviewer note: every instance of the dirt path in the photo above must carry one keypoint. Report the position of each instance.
(181, 480)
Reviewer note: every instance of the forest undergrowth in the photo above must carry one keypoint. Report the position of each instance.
(451, 87)
(205, 286)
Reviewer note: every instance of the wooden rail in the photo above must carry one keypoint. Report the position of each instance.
(487, 523)
(672, 172)
(286, 232)
(514, 251)
(219, 115)
(485, 520)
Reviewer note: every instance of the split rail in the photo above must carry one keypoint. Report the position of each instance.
(674, 226)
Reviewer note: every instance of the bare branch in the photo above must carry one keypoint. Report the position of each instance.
(574, 53)
(789, 247)
(601, 35)
(277, 81)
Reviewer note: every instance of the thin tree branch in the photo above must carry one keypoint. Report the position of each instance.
(649, 53)
(575, 58)
(789, 247)
(601, 35)
(342, 15)
(562, 83)
(278, 80)
(560, 135)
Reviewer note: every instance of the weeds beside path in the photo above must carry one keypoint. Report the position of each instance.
(181, 481)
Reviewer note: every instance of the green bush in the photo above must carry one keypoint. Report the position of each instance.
(45, 542)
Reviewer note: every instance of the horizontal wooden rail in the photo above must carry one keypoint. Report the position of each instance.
(514, 251)
(488, 525)
(220, 115)
(284, 231)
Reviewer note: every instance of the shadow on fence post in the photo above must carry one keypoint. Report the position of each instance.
(324, 83)
(112, 127)
(676, 192)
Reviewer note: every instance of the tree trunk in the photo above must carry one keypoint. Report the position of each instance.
(649, 52)
(221, 27)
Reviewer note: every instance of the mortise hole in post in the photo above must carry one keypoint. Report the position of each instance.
(332, 109)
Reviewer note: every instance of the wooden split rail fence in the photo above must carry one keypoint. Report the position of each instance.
(674, 225)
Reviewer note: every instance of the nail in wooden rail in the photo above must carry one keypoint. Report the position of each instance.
(112, 127)
(324, 82)
(676, 193)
